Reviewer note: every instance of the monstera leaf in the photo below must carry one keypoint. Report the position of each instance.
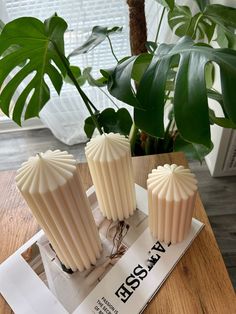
(204, 23)
(167, 3)
(184, 23)
(190, 61)
(190, 95)
(191, 150)
(202, 4)
(225, 19)
(119, 78)
(98, 35)
(225, 37)
(221, 14)
(119, 83)
(40, 48)
(221, 121)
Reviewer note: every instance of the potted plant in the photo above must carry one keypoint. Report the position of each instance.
(181, 74)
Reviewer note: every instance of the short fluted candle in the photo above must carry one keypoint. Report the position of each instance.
(110, 165)
(171, 199)
(52, 187)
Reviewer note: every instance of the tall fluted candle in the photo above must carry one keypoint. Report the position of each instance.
(52, 187)
(171, 198)
(110, 165)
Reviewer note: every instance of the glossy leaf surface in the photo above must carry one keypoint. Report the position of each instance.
(110, 120)
(191, 150)
(190, 95)
(39, 47)
(98, 35)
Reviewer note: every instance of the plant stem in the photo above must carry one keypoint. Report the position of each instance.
(173, 126)
(149, 145)
(159, 25)
(90, 102)
(168, 129)
(167, 96)
(108, 97)
(132, 137)
(168, 135)
(85, 98)
(112, 51)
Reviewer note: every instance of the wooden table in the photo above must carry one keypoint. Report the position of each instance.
(198, 284)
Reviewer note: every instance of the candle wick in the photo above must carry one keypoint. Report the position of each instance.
(39, 155)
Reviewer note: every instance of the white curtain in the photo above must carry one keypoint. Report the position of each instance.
(3, 11)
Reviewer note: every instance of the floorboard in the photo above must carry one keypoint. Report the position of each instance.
(16, 147)
(218, 194)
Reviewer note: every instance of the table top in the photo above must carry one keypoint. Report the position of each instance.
(198, 284)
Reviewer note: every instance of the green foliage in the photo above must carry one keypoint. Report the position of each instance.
(222, 15)
(77, 74)
(89, 126)
(182, 73)
(191, 150)
(91, 80)
(185, 24)
(140, 65)
(223, 122)
(190, 94)
(39, 46)
(226, 37)
(110, 120)
(98, 35)
(213, 94)
(151, 46)
(225, 19)
(119, 83)
(85, 76)
(202, 4)
(209, 74)
(204, 23)
(167, 3)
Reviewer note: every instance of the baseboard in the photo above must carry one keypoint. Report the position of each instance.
(7, 125)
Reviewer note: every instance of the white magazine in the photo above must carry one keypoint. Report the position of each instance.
(33, 282)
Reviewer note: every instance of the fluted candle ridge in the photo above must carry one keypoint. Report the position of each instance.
(110, 165)
(171, 198)
(52, 187)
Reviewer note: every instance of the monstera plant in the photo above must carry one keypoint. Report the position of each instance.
(180, 75)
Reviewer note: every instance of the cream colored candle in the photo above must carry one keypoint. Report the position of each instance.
(172, 192)
(110, 165)
(52, 187)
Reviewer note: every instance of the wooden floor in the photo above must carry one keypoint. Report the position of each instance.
(218, 194)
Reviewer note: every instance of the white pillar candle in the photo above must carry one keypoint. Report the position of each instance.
(110, 165)
(172, 192)
(52, 187)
